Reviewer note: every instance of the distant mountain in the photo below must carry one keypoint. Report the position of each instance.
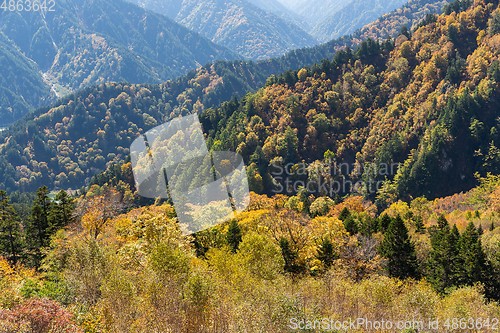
(410, 15)
(82, 43)
(330, 19)
(21, 85)
(315, 11)
(236, 24)
(354, 15)
(276, 7)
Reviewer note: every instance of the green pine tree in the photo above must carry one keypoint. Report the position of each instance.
(344, 214)
(38, 227)
(444, 262)
(473, 257)
(384, 222)
(350, 225)
(419, 224)
(398, 248)
(476, 266)
(290, 257)
(325, 253)
(61, 213)
(11, 237)
(233, 235)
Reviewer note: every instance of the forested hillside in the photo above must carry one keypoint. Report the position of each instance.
(90, 42)
(397, 102)
(428, 102)
(236, 24)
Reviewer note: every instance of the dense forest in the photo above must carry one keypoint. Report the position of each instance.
(122, 266)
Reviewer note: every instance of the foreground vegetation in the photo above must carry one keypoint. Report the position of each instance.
(117, 267)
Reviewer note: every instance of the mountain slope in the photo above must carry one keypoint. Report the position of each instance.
(334, 18)
(90, 42)
(236, 24)
(21, 85)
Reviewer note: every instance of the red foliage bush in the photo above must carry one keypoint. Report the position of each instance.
(38, 315)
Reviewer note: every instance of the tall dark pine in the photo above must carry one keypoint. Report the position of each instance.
(350, 225)
(325, 253)
(38, 228)
(444, 263)
(476, 266)
(344, 214)
(290, 257)
(11, 237)
(233, 235)
(384, 222)
(472, 254)
(399, 250)
(61, 213)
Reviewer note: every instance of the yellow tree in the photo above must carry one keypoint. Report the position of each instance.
(97, 210)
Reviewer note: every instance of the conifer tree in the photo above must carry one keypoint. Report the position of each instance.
(419, 224)
(350, 225)
(325, 252)
(233, 235)
(61, 213)
(475, 263)
(399, 250)
(290, 257)
(38, 228)
(344, 214)
(11, 237)
(444, 262)
(480, 230)
(384, 222)
(476, 266)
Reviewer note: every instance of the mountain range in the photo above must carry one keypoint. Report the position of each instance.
(334, 18)
(237, 24)
(90, 42)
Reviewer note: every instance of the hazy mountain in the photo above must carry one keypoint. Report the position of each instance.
(352, 16)
(314, 11)
(21, 85)
(90, 42)
(236, 24)
(276, 7)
